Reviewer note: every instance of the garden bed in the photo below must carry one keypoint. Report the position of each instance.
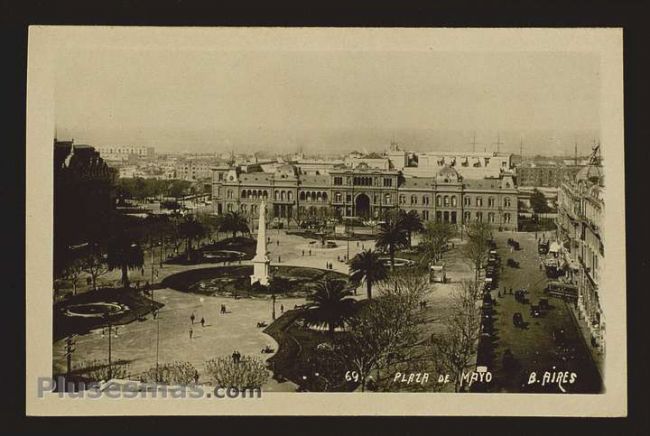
(224, 251)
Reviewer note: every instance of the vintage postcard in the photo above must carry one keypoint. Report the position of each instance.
(325, 221)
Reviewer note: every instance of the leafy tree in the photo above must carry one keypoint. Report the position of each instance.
(392, 236)
(410, 221)
(436, 236)
(234, 222)
(247, 373)
(191, 229)
(124, 254)
(455, 349)
(72, 272)
(330, 305)
(367, 266)
(538, 202)
(94, 264)
(476, 249)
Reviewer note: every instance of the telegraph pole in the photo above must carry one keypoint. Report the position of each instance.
(69, 349)
(473, 143)
(498, 143)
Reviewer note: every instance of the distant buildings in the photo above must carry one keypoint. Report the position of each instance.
(580, 220)
(194, 168)
(549, 175)
(123, 153)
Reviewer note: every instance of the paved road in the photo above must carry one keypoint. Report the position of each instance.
(533, 346)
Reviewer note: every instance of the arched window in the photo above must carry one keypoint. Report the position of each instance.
(479, 201)
(387, 199)
(277, 195)
(338, 197)
(414, 199)
(454, 201)
(467, 201)
(302, 196)
(229, 194)
(438, 200)
(402, 199)
(490, 202)
(324, 196)
(506, 202)
(283, 195)
(467, 216)
(266, 194)
(243, 194)
(319, 196)
(446, 200)
(290, 196)
(425, 201)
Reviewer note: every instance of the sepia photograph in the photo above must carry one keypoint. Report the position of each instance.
(244, 215)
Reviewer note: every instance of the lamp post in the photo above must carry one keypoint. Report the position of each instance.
(273, 309)
(110, 345)
(69, 349)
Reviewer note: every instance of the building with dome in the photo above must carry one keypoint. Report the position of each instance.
(580, 220)
(367, 192)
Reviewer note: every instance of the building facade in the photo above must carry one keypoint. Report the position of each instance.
(580, 220)
(547, 176)
(194, 169)
(122, 153)
(365, 192)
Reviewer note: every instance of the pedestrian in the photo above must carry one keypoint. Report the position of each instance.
(282, 308)
(192, 317)
(234, 356)
(303, 252)
(279, 259)
(191, 333)
(202, 322)
(310, 252)
(196, 377)
(277, 242)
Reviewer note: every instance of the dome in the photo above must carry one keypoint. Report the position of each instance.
(591, 173)
(447, 175)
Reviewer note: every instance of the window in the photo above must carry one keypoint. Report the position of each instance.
(479, 201)
(348, 198)
(490, 201)
(338, 197)
(388, 181)
(438, 216)
(438, 200)
(454, 201)
(229, 194)
(229, 207)
(425, 215)
(446, 201)
(283, 195)
(290, 196)
(479, 217)
(387, 199)
(338, 181)
(506, 202)
(425, 200)
(506, 218)
(302, 196)
(467, 216)
(402, 199)
(490, 217)
(467, 201)
(243, 194)
(277, 195)
(414, 199)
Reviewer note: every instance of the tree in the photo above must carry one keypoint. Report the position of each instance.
(124, 254)
(410, 221)
(455, 350)
(94, 264)
(436, 236)
(245, 373)
(234, 222)
(538, 202)
(409, 285)
(72, 272)
(191, 229)
(476, 249)
(392, 236)
(330, 305)
(382, 328)
(367, 266)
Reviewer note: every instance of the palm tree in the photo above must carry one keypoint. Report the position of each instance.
(367, 266)
(234, 222)
(124, 254)
(392, 236)
(330, 305)
(411, 222)
(191, 229)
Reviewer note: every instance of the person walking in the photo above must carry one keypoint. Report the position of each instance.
(202, 322)
(282, 308)
(192, 318)
(191, 333)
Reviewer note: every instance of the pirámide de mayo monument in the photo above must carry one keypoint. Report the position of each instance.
(261, 261)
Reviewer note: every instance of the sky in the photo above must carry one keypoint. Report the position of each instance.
(273, 100)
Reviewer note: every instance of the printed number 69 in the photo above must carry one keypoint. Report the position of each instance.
(352, 375)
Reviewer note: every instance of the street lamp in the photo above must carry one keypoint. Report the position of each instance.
(273, 310)
(110, 345)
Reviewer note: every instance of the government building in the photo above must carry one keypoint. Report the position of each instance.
(367, 192)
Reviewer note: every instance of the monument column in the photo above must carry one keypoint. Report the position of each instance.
(261, 261)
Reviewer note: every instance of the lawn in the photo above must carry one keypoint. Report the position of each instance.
(246, 246)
